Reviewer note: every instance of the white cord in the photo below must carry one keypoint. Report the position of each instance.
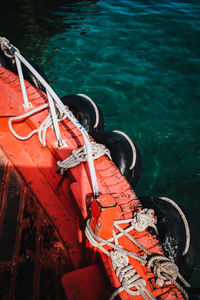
(69, 115)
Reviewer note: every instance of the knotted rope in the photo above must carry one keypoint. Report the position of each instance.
(166, 270)
(52, 99)
(80, 155)
(4, 42)
(98, 242)
(162, 267)
(128, 277)
(144, 218)
(126, 273)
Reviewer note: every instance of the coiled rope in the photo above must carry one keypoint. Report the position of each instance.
(80, 155)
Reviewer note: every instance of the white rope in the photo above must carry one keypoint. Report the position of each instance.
(125, 272)
(54, 119)
(166, 270)
(128, 276)
(7, 48)
(185, 222)
(163, 268)
(30, 113)
(80, 155)
(41, 130)
(72, 119)
(143, 219)
(137, 223)
(14, 52)
(94, 239)
(26, 104)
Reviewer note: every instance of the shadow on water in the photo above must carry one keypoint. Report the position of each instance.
(38, 21)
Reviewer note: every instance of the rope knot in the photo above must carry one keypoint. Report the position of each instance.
(80, 155)
(119, 259)
(144, 218)
(7, 52)
(163, 269)
(127, 275)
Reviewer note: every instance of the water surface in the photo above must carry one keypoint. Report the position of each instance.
(140, 62)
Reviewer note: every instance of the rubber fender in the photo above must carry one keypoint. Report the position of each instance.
(28, 75)
(3, 60)
(188, 261)
(172, 234)
(86, 112)
(123, 154)
(194, 293)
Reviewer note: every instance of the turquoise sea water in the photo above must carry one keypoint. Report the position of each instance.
(140, 62)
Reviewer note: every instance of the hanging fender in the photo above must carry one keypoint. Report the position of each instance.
(124, 153)
(86, 112)
(172, 233)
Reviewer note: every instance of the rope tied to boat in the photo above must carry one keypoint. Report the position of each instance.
(163, 269)
(143, 219)
(99, 242)
(42, 129)
(8, 48)
(166, 270)
(80, 155)
(128, 276)
(52, 99)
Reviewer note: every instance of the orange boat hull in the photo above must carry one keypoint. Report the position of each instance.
(61, 203)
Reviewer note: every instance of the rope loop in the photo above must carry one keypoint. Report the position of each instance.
(42, 129)
(128, 276)
(166, 270)
(163, 269)
(4, 42)
(80, 155)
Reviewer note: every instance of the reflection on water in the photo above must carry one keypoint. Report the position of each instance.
(29, 24)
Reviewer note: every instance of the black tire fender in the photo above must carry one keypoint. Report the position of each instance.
(86, 112)
(124, 153)
(172, 234)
